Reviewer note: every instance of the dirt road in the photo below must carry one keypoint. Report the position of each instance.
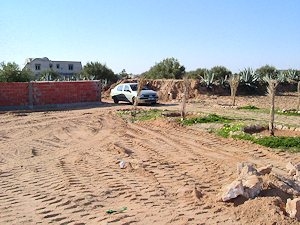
(62, 168)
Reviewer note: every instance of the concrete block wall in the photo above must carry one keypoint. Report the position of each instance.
(49, 93)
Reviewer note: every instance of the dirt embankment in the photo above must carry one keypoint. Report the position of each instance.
(167, 89)
(170, 89)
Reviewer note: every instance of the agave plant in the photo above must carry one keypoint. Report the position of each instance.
(223, 81)
(208, 78)
(282, 77)
(249, 77)
(292, 75)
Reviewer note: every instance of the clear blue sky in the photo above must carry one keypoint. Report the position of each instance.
(136, 34)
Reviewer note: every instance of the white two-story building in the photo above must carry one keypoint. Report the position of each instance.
(63, 68)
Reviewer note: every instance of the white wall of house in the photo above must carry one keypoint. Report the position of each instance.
(64, 68)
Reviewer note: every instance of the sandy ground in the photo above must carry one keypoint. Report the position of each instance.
(61, 167)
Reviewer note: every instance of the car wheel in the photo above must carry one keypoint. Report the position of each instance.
(116, 100)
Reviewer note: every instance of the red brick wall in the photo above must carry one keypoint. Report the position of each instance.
(44, 93)
(13, 94)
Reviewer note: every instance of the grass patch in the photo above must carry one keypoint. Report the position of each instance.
(140, 115)
(211, 118)
(288, 113)
(227, 129)
(249, 107)
(291, 143)
(236, 131)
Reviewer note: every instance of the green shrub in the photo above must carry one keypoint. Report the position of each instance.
(211, 118)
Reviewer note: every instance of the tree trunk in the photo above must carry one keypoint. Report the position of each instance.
(234, 83)
(140, 86)
(272, 91)
(233, 99)
(184, 97)
(272, 115)
(298, 106)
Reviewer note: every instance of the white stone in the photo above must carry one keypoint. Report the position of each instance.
(122, 164)
(293, 208)
(252, 186)
(265, 169)
(232, 190)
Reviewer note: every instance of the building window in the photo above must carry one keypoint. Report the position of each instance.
(70, 66)
(50, 65)
(37, 66)
(57, 66)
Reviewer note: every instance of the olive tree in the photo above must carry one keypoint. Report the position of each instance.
(169, 68)
(10, 72)
(98, 71)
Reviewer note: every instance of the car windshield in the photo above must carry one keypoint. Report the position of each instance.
(134, 87)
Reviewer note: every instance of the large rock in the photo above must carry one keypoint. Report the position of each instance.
(293, 208)
(245, 169)
(232, 190)
(265, 169)
(252, 186)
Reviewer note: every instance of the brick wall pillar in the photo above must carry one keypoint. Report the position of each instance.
(30, 95)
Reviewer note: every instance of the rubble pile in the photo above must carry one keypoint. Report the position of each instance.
(251, 181)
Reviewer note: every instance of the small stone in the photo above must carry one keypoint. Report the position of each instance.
(293, 208)
(122, 164)
(291, 168)
(265, 169)
(252, 186)
(232, 190)
(279, 127)
(285, 128)
(189, 192)
(297, 129)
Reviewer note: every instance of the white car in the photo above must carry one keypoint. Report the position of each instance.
(127, 92)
